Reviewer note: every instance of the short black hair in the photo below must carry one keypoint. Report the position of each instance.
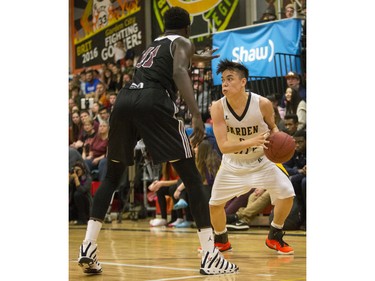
(300, 133)
(101, 108)
(234, 66)
(294, 117)
(176, 18)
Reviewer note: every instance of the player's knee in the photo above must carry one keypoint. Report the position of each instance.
(115, 171)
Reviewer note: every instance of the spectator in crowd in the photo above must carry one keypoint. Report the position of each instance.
(202, 90)
(293, 80)
(82, 81)
(117, 78)
(129, 66)
(182, 204)
(296, 168)
(166, 186)
(75, 130)
(207, 161)
(290, 123)
(112, 100)
(95, 156)
(101, 95)
(268, 15)
(126, 79)
(80, 199)
(84, 115)
(87, 137)
(278, 117)
(240, 215)
(104, 114)
(109, 80)
(119, 53)
(76, 96)
(91, 84)
(95, 112)
(289, 10)
(294, 105)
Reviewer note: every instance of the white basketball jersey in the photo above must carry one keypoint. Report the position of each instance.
(246, 126)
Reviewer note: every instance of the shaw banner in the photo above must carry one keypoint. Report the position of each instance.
(98, 28)
(255, 46)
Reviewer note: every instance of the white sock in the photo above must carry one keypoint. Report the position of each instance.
(278, 226)
(206, 238)
(92, 231)
(222, 232)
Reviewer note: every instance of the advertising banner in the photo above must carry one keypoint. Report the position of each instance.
(126, 23)
(256, 46)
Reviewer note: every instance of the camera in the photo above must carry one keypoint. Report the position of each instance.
(87, 103)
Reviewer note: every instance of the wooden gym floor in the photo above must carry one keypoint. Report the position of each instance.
(132, 250)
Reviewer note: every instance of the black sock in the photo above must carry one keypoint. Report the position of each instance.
(221, 238)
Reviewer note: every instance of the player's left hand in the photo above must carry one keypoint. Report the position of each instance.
(205, 56)
(198, 131)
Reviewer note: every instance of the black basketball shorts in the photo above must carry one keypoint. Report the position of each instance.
(148, 114)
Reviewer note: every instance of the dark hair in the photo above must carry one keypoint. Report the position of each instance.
(234, 66)
(291, 107)
(300, 133)
(176, 18)
(103, 108)
(80, 165)
(292, 116)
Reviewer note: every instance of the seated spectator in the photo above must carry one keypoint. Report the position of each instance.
(75, 130)
(87, 136)
(119, 53)
(101, 95)
(166, 186)
(289, 11)
(112, 100)
(241, 211)
(117, 78)
(80, 199)
(104, 114)
(108, 80)
(296, 168)
(182, 205)
(208, 162)
(295, 105)
(91, 83)
(268, 15)
(76, 95)
(129, 66)
(95, 154)
(256, 201)
(290, 124)
(126, 79)
(84, 115)
(275, 102)
(293, 80)
(95, 112)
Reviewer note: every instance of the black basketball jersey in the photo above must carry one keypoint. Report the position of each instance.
(156, 65)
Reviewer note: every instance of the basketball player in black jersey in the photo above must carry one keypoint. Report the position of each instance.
(146, 109)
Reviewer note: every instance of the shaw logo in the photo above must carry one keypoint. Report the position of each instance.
(240, 54)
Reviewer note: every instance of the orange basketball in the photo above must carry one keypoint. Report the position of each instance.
(281, 147)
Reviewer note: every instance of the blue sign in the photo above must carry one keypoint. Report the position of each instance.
(255, 46)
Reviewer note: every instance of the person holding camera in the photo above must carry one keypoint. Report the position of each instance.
(80, 199)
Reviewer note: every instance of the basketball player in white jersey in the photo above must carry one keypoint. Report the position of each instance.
(242, 121)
